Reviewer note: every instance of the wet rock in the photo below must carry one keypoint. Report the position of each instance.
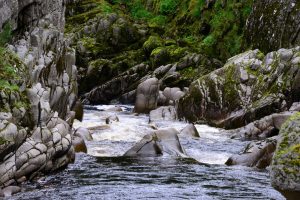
(147, 96)
(161, 142)
(256, 154)
(163, 113)
(10, 190)
(78, 108)
(111, 119)
(79, 144)
(266, 127)
(190, 130)
(285, 166)
(84, 133)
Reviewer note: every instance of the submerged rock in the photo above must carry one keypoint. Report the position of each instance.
(161, 142)
(147, 96)
(285, 168)
(191, 131)
(256, 154)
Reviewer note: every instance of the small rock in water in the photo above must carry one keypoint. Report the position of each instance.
(79, 145)
(190, 130)
(110, 119)
(10, 190)
(161, 142)
(84, 133)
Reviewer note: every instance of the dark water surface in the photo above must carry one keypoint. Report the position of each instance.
(104, 174)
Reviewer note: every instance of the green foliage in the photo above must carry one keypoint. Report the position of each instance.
(197, 9)
(158, 21)
(6, 34)
(168, 6)
(10, 69)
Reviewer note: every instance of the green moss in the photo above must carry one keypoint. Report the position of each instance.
(6, 34)
(152, 43)
(2, 141)
(168, 6)
(288, 152)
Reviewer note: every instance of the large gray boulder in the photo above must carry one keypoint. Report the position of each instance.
(256, 154)
(161, 142)
(285, 168)
(147, 96)
(249, 87)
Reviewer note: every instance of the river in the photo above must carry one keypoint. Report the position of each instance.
(104, 174)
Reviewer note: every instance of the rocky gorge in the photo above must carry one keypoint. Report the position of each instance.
(229, 64)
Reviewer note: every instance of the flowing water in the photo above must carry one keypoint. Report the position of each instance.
(104, 174)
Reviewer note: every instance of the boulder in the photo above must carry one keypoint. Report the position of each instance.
(161, 142)
(173, 94)
(163, 113)
(285, 168)
(147, 96)
(266, 127)
(10, 190)
(78, 109)
(256, 154)
(162, 99)
(110, 119)
(191, 131)
(84, 133)
(249, 87)
(79, 144)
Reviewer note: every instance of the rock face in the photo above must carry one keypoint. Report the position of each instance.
(36, 116)
(285, 168)
(256, 154)
(161, 142)
(274, 24)
(266, 127)
(147, 96)
(250, 86)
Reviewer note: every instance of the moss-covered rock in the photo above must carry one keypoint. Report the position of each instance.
(152, 43)
(285, 169)
(247, 88)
